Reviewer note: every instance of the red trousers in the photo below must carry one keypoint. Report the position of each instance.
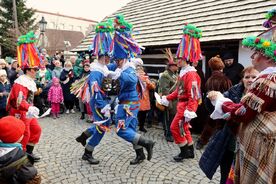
(32, 132)
(175, 128)
(55, 107)
(88, 109)
(32, 128)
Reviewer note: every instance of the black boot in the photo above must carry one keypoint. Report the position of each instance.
(82, 116)
(82, 138)
(140, 156)
(184, 153)
(89, 157)
(148, 144)
(29, 151)
(191, 151)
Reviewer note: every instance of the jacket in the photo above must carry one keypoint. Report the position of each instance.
(55, 94)
(4, 87)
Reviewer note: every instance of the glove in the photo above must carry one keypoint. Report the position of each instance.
(189, 115)
(164, 101)
(106, 111)
(116, 74)
(32, 112)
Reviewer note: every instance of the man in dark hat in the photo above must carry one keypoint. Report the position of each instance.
(232, 69)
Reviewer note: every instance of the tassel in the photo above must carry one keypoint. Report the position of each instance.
(253, 101)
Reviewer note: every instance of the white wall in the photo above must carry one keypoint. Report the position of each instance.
(65, 23)
(244, 56)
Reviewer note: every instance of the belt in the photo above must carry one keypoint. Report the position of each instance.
(129, 102)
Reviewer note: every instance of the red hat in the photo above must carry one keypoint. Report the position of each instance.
(11, 129)
(86, 62)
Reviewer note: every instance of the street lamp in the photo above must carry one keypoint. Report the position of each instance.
(42, 25)
(42, 28)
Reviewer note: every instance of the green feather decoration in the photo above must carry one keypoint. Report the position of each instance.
(27, 38)
(267, 47)
(192, 31)
(106, 26)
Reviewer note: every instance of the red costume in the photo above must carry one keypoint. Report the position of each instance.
(20, 99)
(188, 95)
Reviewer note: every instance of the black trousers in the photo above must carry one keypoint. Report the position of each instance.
(69, 104)
(142, 118)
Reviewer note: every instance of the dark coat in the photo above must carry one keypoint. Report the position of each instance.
(16, 168)
(67, 78)
(6, 87)
(12, 75)
(233, 72)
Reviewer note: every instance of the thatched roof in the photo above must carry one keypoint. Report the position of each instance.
(160, 22)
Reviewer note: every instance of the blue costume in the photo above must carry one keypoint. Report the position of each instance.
(99, 101)
(127, 109)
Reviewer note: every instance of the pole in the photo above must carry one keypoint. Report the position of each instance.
(15, 18)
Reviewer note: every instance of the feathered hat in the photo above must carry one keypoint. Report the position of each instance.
(266, 47)
(125, 45)
(102, 43)
(270, 18)
(189, 46)
(27, 54)
(169, 56)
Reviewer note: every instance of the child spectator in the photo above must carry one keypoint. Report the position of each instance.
(15, 165)
(67, 78)
(55, 97)
(57, 70)
(4, 92)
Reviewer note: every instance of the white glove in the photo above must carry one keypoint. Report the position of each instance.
(116, 74)
(164, 101)
(189, 115)
(32, 112)
(106, 111)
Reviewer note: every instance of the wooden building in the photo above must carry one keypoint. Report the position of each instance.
(158, 24)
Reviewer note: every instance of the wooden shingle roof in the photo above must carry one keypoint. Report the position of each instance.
(160, 22)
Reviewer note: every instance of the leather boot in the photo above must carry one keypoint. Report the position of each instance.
(89, 157)
(191, 151)
(82, 138)
(140, 156)
(184, 153)
(29, 151)
(148, 144)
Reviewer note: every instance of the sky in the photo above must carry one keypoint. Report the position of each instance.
(90, 9)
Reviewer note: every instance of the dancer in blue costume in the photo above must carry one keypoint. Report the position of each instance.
(127, 109)
(99, 101)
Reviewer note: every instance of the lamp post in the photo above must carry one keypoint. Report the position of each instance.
(42, 27)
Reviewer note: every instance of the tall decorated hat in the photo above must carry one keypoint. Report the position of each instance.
(189, 46)
(102, 44)
(125, 45)
(27, 54)
(270, 18)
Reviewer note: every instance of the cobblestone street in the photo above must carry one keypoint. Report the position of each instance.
(61, 158)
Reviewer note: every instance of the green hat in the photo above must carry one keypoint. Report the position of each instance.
(267, 47)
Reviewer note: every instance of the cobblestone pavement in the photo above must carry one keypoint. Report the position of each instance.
(61, 158)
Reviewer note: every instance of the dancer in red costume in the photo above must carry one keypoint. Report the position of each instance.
(187, 92)
(22, 93)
